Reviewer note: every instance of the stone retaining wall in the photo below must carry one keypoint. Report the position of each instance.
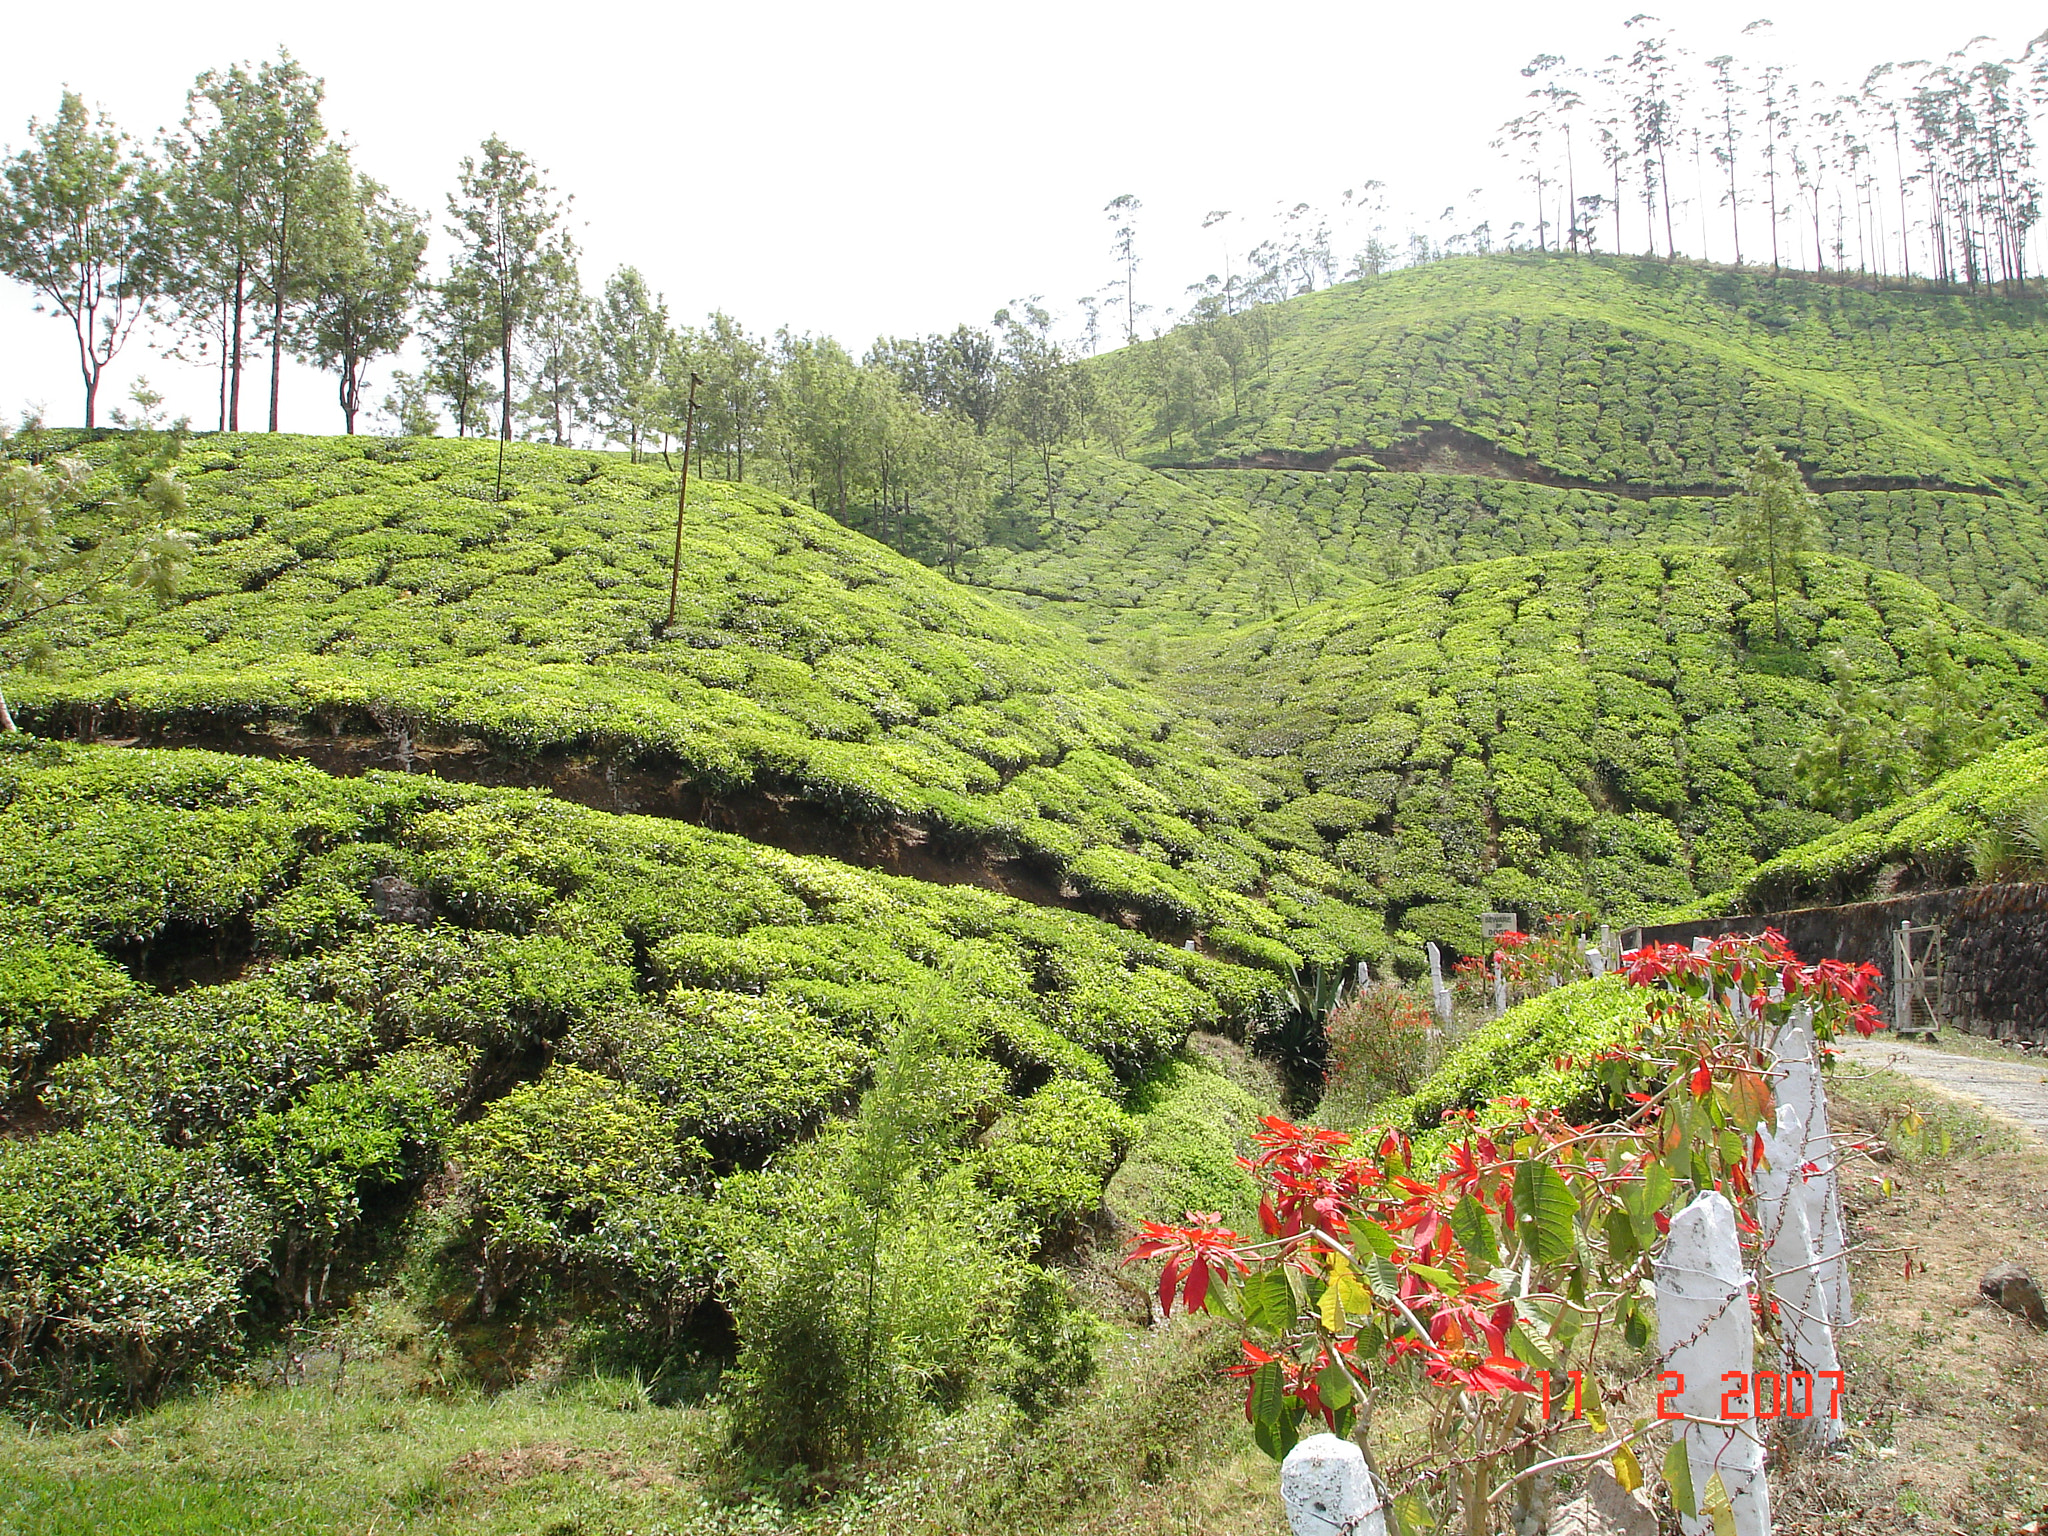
(1996, 938)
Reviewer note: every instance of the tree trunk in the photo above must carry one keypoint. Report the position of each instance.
(505, 378)
(7, 724)
(235, 387)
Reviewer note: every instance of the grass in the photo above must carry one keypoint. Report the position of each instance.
(389, 1448)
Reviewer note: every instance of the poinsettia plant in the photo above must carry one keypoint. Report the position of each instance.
(1490, 1276)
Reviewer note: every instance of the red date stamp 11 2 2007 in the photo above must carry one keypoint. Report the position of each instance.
(1751, 1395)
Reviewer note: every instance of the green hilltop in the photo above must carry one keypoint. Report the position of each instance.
(1507, 405)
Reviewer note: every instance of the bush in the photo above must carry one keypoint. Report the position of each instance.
(1193, 1124)
(742, 1074)
(1381, 1042)
(121, 1262)
(51, 997)
(1054, 1153)
(563, 1176)
(206, 1060)
(316, 1163)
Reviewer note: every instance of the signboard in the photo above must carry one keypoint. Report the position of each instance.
(1493, 924)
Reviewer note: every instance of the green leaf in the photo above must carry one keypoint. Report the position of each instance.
(1527, 1350)
(1375, 1237)
(1413, 1514)
(1268, 1301)
(1474, 1230)
(1442, 1279)
(1678, 1477)
(1545, 1211)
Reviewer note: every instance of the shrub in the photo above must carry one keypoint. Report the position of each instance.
(558, 1177)
(1381, 1041)
(742, 1074)
(1055, 1151)
(207, 1059)
(121, 1263)
(51, 996)
(316, 1163)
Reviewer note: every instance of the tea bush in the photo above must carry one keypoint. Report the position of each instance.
(1614, 730)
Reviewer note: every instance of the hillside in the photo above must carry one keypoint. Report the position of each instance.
(367, 604)
(293, 1002)
(1983, 820)
(1611, 732)
(1491, 406)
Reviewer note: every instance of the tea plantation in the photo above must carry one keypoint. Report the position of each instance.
(285, 1030)
(1609, 732)
(359, 590)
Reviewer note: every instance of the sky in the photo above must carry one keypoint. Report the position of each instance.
(893, 167)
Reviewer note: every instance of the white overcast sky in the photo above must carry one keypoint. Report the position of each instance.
(899, 167)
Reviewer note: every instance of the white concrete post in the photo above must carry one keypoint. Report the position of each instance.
(1902, 976)
(1792, 1275)
(1364, 976)
(1500, 989)
(1800, 1086)
(1329, 1490)
(1704, 1331)
(1439, 994)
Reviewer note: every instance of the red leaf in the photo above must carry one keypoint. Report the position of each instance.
(1197, 1290)
(1702, 1080)
(1167, 1277)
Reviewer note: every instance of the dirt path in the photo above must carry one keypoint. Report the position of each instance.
(2013, 1087)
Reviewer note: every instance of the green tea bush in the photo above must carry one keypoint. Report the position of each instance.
(1614, 730)
(200, 1063)
(807, 665)
(121, 1263)
(555, 1168)
(743, 1075)
(51, 998)
(347, 1141)
(1192, 1124)
(1053, 1154)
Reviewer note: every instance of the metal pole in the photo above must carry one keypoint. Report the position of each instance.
(675, 576)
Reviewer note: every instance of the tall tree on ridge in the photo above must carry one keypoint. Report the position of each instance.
(366, 273)
(1123, 245)
(281, 122)
(508, 223)
(629, 340)
(213, 222)
(1729, 89)
(76, 211)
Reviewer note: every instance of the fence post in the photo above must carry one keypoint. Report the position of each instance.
(1439, 994)
(1703, 1333)
(1329, 1490)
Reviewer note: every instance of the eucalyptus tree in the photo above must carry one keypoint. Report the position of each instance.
(509, 227)
(460, 346)
(628, 339)
(212, 227)
(1123, 217)
(1654, 107)
(1047, 399)
(366, 279)
(734, 411)
(1776, 518)
(280, 120)
(78, 207)
(557, 345)
(1728, 87)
